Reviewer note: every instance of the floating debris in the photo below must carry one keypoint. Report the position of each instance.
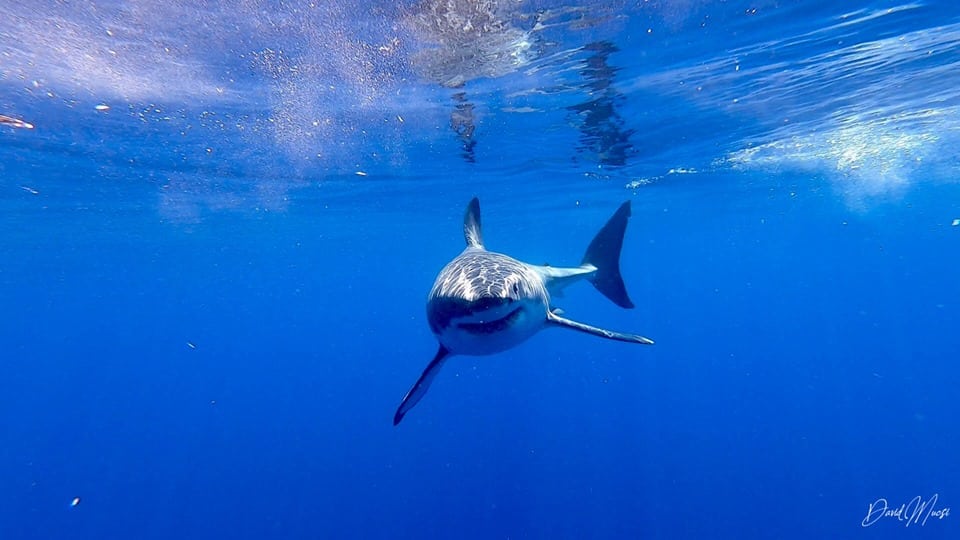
(191, 344)
(956, 222)
(14, 122)
(360, 173)
(102, 107)
(30, 190)
(74, 502)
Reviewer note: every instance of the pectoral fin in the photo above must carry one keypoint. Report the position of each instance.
(556, 320)
(422, 385)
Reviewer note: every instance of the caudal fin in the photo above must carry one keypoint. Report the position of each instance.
(604, 254)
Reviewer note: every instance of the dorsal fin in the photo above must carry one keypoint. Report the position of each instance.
(471, 225)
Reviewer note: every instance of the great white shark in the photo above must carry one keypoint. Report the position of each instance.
(484, 302)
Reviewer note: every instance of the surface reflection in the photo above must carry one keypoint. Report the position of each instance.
(603, 131)
(467, 40)
(462, 123)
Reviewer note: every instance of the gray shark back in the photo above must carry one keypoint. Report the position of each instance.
(477, 274)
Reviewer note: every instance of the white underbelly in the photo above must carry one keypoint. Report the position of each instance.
(489, 337)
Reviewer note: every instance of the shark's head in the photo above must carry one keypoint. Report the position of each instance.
(484, 302)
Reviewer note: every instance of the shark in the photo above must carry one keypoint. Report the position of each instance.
(483, 302)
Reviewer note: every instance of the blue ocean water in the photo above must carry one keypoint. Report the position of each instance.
(220, 221)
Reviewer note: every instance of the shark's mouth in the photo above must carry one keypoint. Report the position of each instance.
(491, 327)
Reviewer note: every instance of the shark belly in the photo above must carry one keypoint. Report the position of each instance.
(493, 331)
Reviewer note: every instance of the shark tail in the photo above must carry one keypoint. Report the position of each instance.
(603, 253)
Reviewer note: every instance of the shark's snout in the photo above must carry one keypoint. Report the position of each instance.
(489, 302)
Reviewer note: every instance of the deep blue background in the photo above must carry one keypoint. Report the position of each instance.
(211, 343)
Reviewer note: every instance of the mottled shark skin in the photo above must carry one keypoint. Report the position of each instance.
(484, 302)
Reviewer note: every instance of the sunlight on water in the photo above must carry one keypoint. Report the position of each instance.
(864, 97)
(468, 40)
(865, 158)
(874, 116)
(136, 51)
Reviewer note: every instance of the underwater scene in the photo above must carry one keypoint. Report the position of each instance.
(479, 269)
